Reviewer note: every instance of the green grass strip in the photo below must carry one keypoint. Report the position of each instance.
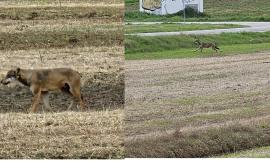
(137, 44)
(189, 52)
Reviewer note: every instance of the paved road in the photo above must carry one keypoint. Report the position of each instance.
(250, 27)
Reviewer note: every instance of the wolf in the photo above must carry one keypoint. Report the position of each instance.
(202, 45)
(42, 81)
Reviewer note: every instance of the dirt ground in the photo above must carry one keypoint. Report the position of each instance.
(188, 94)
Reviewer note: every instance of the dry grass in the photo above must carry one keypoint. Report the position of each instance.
(166, 96)
(68, 10)
(37, 34)
(96, 134)
(47, 13)
(11, 26)
(260, 152)
(59, 39)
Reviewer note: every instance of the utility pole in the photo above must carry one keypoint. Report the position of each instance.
(184, 10)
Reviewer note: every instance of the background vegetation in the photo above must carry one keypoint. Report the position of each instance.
(214, 10)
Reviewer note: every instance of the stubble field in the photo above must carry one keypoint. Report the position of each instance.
(85, 36)
(197, 107)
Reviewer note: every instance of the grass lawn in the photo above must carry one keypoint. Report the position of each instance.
(237, 10)
(167, 27)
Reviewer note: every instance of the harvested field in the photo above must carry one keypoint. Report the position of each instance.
(65, 135)
(87, 37)
(197, 107)
(51, 10)
(11, 26)
(40, 34)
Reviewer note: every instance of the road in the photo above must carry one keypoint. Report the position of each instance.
(249, 27)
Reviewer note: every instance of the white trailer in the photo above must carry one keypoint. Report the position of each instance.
(164, 7)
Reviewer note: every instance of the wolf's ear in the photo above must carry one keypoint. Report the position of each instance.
(18, 70)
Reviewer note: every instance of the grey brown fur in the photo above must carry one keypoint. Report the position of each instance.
(202, 45)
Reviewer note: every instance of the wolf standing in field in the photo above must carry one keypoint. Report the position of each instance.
(202, 45)
(42, 81)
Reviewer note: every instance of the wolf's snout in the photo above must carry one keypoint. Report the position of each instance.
(5, 81)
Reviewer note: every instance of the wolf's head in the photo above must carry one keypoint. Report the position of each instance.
(197, 41)
(11, 75)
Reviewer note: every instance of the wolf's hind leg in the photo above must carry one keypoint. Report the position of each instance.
(66, 89)
(77, 95)
(45, 98)
(71, 104)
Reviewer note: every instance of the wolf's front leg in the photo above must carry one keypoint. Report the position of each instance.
(35, 102)
(197, 50)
